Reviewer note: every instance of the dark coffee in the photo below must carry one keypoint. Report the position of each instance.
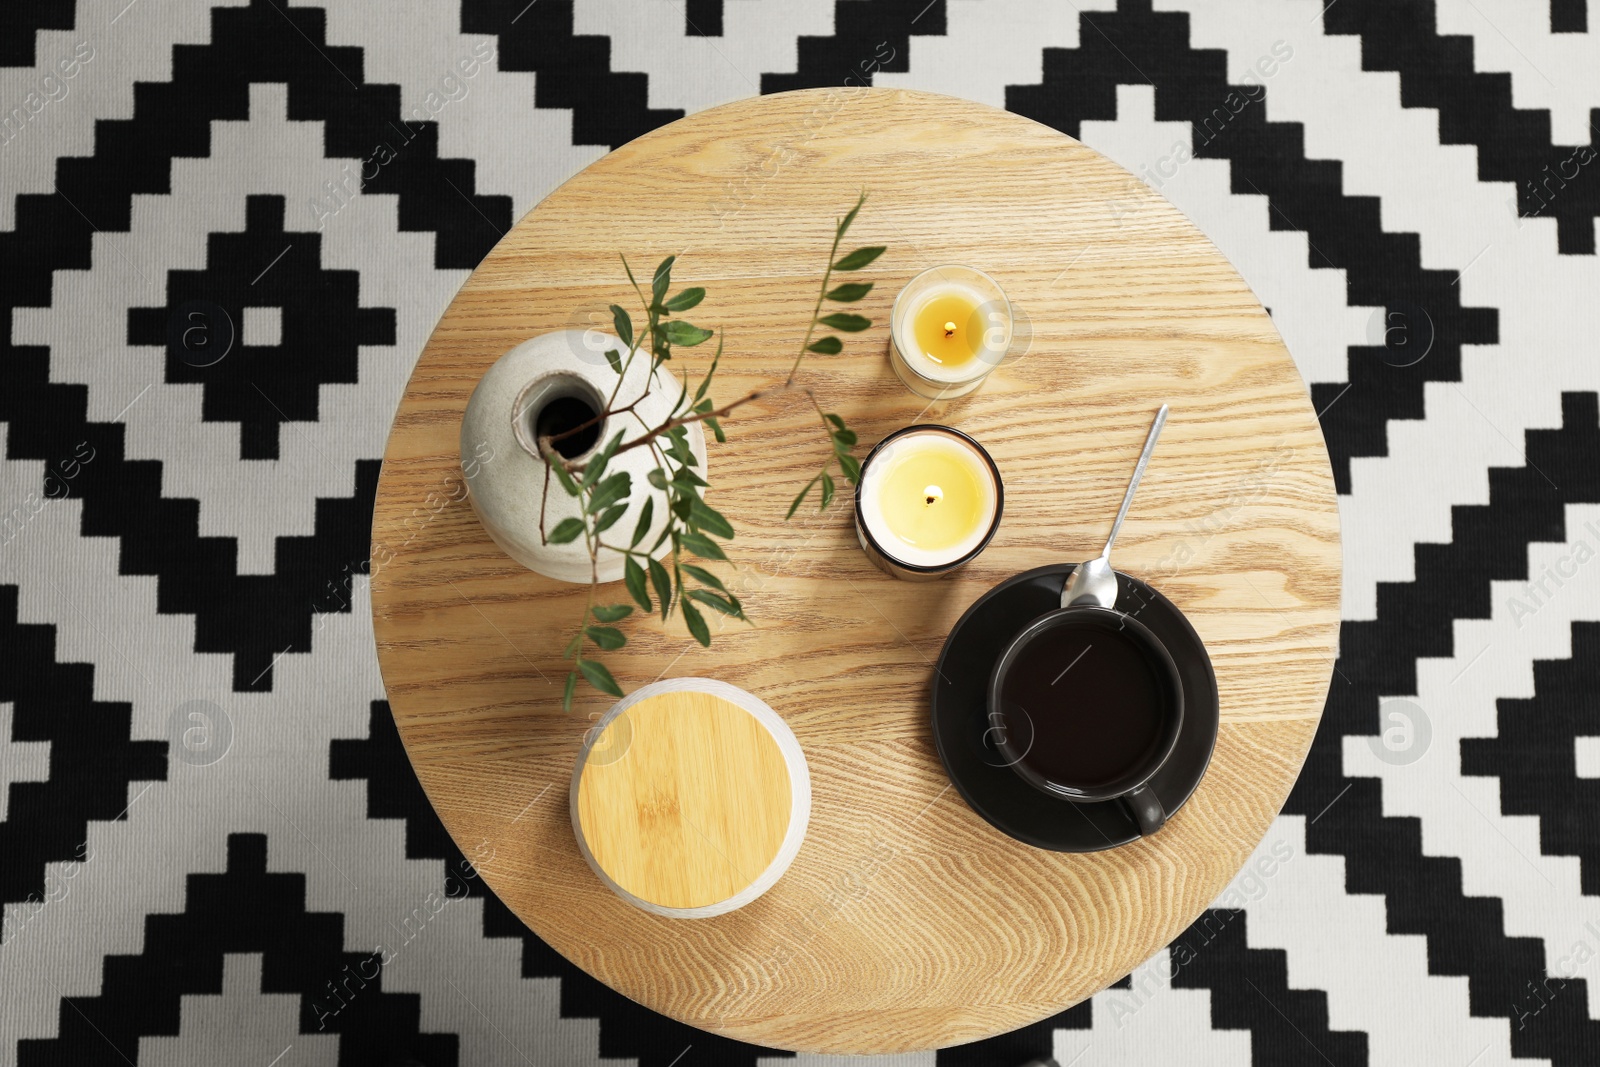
(1095, 702)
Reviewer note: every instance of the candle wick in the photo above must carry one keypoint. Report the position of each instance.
(949, 329)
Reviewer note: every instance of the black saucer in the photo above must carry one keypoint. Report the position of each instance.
(960, 715)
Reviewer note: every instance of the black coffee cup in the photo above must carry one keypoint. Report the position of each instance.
(1087, 704)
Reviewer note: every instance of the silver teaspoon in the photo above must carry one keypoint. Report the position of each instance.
(1094, 582)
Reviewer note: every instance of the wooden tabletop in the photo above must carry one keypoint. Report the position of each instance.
(906, 921)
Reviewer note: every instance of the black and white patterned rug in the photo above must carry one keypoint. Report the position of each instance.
(206, 820)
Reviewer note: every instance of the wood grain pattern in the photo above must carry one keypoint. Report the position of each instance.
(905, 922)
(691, 805)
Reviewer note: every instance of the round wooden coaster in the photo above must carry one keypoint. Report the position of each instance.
(690, 798)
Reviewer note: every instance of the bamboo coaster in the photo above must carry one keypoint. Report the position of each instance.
(690, 798)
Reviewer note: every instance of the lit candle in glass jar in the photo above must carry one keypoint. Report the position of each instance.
(929, 501)
(950, 326)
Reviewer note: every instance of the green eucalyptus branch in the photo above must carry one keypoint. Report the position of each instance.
(693, 528)
(841, 436)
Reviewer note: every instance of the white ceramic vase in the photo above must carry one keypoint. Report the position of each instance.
(506, 479)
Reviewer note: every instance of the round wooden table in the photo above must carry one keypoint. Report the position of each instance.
(906, 921)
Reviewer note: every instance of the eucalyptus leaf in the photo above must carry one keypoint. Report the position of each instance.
(642, 527)
(597, 465)
(679, 450)
(614, 358)
(825, 346)
(599, 677)
(798, 498)
(611, 612)
(614, 489)
(838, 423)
(686, 334)
(622, 322)
(663, 584)
(842, 320)
(701, 545)
(844, 439)
(844, 223)
(607, 637)
(704, 576)
(850, 292)
(678, 432)
(662, 279)
(683, 476)
(716, 430)
(659, 343)
(827, 490)
(566, 531)
(658, 478)
(716, 602)
(851, 467)
(686, 299)
(710, 519)
(666, 532)
(564, 476)
(859, 258)
(570, 691)
(609, 519)
(696, 623)
(705, 383)
(633, 575)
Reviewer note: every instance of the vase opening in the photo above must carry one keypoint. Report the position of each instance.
(562, 415)
(558, 404)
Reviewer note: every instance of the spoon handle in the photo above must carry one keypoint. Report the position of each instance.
(1138, 472)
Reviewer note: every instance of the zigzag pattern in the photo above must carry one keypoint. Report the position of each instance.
(260, 43)
(1475, 108)
(854, 53)
(1466, 935)
(608, 107)
(1534, 757)
(322, 327)
(94, 763)
(1213, 954)
(123, 498)
(246, 909)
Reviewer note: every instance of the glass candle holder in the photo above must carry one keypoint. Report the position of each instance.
(950, 327)
(929, 500)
